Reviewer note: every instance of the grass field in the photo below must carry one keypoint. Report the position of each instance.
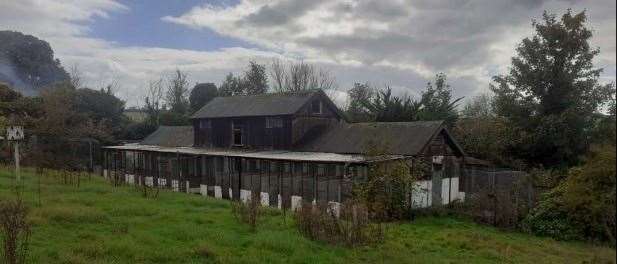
(97, 223)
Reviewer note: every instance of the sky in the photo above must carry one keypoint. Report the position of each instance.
(396, 43)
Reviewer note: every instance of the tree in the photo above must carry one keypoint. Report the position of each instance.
(27, 63)
(177, 93)
(255, 79)
(481, 106)
(201, 94)
(359, 95)
(385, 107)
(231, 86)
(103, 107)
(154, 102)
(299, 77)
(437, 102)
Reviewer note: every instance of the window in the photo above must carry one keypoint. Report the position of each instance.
(274, 122)
(236, 130)
(316, 107)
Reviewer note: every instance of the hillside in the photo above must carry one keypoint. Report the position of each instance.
(97, 223)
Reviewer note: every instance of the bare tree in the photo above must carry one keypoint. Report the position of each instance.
(154, 100)
(300, 76)
(76, 76)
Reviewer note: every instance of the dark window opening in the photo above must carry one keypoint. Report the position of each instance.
(237, 136)
(316, 107)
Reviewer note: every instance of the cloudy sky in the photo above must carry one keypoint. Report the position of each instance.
(398, 43)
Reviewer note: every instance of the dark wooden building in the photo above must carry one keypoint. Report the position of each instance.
(289, 147)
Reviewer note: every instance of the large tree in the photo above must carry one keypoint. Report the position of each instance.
(101, 106)
(358, 96)
(27, 63)
(201, 94)
(552, 91)
(255, 79)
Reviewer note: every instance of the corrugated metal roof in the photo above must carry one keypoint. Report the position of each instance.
(402, 138)
(268, 154)
(255, 105)
(171, 136)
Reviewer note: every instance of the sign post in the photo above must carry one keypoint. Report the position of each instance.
(15, 133)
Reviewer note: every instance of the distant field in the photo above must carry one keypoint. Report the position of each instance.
(97, 223)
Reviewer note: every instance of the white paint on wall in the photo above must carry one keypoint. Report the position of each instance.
(203, 189)
(188, 187)
(105, 173)
(218, 192)
(231, 193)
(421, 194)
(245, 196)
(296, 202)
(265, 198)
(450, 193)
(162, 181)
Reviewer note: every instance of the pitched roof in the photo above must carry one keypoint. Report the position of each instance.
(170, 136)
(403, 138)
(256, 105)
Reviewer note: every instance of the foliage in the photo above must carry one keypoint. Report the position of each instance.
(15, 230)
(255, 79)
(98, 223)
(385, 107)
(360, 93)
(552, 91)
(437, 102)
(102, 106)
(27, 63)
(169, 118)
(351, 225)
(480, 107)
(388, 184)
(201, 94)
(583, 205)
(248, 212)
(176, 96)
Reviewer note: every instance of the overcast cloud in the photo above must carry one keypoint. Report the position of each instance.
(388, 42)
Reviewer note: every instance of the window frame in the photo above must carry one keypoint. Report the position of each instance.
(237, 126)
(319, 106)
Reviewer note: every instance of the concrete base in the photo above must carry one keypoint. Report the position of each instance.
(280, 201)
(149, 181)
(105, 174)
(218, 192)
(296, 202)
(265, 198)
(175, 185)
(245, 196)
(203, 190)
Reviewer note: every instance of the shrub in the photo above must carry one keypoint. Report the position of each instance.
(583, 205)
(15, 231)
(248, 212)
(352, 226)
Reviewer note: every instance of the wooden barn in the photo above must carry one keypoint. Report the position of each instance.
(289, 147)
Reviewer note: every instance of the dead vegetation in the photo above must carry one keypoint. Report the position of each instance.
(15, 231)
(248, 212)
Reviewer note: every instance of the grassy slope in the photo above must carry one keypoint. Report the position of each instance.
(100, 224)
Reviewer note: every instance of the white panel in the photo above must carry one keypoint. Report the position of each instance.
(296, 202)
(265, 198)
(245, 196)
(280, 201)
(334, 208)
(149, 181)
(218, 192)
(105, 174)
(203, 189)
(175, 186)
(231, 193)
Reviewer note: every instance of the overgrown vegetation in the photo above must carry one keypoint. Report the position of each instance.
(98, 223)
(348, 224)
(248, 212)
(15, 230)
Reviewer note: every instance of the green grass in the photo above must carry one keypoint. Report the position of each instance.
(97, 223)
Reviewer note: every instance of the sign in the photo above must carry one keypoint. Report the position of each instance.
(14, 133)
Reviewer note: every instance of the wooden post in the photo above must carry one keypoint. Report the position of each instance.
(17, 172)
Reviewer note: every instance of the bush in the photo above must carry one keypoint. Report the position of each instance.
(351, 225)
(15, 231)
(583, 205)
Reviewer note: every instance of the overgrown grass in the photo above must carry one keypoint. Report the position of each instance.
(98, 223)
